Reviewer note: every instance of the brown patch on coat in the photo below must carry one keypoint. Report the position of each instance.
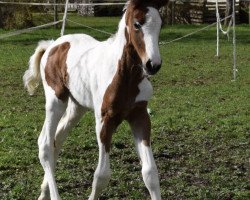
(140, 122)
(56, 70)
(119, 98)
(136, 37)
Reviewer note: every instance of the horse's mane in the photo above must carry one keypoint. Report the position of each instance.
(112, 37)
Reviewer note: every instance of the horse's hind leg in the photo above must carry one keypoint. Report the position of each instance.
(70, 118)
(54, 111)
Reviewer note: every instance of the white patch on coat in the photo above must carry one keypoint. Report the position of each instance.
(151, 31)
(146, 91)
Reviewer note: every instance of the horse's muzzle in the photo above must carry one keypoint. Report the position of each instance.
(152, 69)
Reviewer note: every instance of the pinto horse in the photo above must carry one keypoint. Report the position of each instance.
(111, 77)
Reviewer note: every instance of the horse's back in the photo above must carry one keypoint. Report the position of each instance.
(81, 40)
(78, 45)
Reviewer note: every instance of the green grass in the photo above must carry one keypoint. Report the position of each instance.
(200, 123)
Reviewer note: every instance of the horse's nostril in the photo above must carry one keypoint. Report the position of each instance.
(157, 67)
(149, 64)
(151, 68)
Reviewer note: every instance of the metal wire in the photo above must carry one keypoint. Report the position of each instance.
(27, 30)
(192, 33)
(89, 27)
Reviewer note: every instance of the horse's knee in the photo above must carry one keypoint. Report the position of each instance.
(40, 139)
(44, 151)
(150, 177)
(102, 178)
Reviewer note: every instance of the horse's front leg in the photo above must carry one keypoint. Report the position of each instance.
(104, 130)
(139, 122)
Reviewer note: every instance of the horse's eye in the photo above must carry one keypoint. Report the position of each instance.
(137, 25)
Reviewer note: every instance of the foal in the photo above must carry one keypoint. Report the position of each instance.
(110, 77)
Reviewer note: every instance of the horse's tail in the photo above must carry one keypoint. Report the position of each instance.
(32, 76)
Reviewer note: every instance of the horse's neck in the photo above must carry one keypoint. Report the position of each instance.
(128, 71)
(119, 41)
(121, 93)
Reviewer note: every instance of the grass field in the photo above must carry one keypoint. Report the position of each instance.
(200, 123)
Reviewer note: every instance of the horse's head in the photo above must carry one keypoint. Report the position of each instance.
(143, 24)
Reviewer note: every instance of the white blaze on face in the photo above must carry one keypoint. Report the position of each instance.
(151, 31)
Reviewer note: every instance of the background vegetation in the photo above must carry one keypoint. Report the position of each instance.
(200, 120)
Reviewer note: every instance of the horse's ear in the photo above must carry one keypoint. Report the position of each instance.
(157, 3)
(136, 2)
(161, 3)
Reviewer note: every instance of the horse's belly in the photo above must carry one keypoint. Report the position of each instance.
(78, 70)
(81, 94)
(79, 85)
(146, 90)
